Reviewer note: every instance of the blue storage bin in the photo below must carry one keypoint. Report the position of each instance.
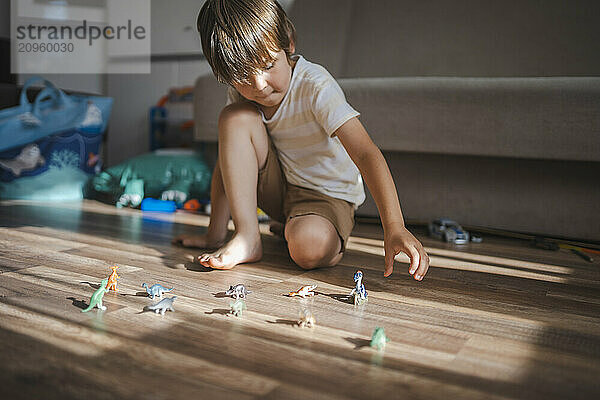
(49, 149)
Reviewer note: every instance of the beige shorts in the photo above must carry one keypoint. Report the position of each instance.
(283, 201)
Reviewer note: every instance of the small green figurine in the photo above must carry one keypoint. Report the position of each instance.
(96, 299)
(237, 307)
(379, 340)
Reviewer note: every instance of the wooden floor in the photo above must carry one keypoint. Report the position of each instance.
(492, 320)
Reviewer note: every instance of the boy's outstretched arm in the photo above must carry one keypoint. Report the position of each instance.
(374, 169)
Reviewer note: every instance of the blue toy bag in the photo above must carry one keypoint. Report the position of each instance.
(48, 149)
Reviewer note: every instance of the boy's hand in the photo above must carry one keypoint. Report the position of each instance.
(398, 239)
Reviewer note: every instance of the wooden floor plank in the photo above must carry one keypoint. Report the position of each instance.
(494, 320)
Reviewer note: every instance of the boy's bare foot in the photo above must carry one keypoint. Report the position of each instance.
(201, 241)
(240, 249)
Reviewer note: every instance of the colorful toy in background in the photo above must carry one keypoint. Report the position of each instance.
(379, 340)
(169, 175)
(262, 217)
(359, 293)
(96, 299)
(112, 279)
(192, 205)
(154, 205)
(172, 120)
(49, 148)
(449, 231)
(548, 244)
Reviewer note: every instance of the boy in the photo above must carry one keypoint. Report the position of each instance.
(289, 142)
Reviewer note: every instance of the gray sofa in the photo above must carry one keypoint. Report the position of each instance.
(487, 112)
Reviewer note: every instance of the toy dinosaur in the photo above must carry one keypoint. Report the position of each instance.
(359, 292)
(163, 306)
(155, 290)
(96, 299)
(112, 279)
(238, 291)
(307, 320)
(379, 340)
(304, 291)
(237, 307)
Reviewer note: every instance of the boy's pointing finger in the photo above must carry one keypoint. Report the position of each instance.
(415, 259)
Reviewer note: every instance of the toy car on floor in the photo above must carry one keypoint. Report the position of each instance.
(448, 230)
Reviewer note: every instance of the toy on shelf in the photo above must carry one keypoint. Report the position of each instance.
(304, 291)
(192, 205)
(379, 340)
(237, 307)
(238, 291)
(163, 306)
(169, 174)
(155, 290)
(112, 279)
(261, 215)
(307, 320)
(96, 299)
(359, 292)
(154, 205)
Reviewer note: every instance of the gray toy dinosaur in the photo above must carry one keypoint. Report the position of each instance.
(155, 290)
(163, 306)
(238, 291)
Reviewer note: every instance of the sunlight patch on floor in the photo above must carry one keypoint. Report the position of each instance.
(450, 263)
(66, 336)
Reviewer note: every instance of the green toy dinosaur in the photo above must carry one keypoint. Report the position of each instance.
(237, 307)
(96, 299)
(379, 340)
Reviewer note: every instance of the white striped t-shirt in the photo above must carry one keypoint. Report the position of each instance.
(302, 127)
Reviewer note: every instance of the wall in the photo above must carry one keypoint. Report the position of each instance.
(175, 65)
(474, 38)
(134, 95)
(176, 62)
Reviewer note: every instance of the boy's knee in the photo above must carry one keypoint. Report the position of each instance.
(306, 259)
(312, 249)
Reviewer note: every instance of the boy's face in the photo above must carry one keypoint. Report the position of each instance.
(270, 86)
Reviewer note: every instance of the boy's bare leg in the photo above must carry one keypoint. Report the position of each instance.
(313, 241)
(219, 217)
(243, 147)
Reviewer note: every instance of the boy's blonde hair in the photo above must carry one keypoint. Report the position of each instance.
(239, 36)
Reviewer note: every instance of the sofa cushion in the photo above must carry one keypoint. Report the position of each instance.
(538, 118)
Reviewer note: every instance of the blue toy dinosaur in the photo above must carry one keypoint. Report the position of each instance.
(155, 290)
(359, 292)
